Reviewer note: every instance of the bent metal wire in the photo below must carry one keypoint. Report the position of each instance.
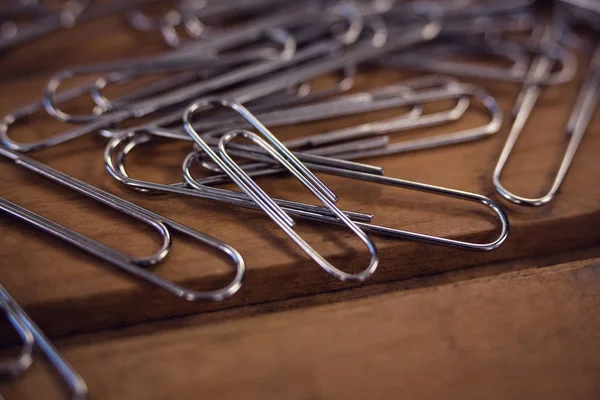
(129, 264)
(463, 93)
(32, 336)
(284, 156)
(575, 129)
(237, 176)
(316, 59)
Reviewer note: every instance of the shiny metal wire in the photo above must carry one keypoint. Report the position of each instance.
(576, 127)
(25, 327)
(282, 219)
(401, 183)
(118, 148)
(127, 263)
(15, 367)
(277, 150)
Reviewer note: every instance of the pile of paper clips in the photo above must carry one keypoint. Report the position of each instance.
(244, 65)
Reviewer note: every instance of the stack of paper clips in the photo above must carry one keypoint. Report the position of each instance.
(240, 68)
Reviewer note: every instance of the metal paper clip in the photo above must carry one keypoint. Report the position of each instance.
(576, 127)
(460, 92)
(299, 170)
(32, 336)
(118, 148)
(397, 233)
(170, 62)
(125, 262)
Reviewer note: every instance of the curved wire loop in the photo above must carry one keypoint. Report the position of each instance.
(576, 127)
(463, 93)
(361, 51)
(397, 233)
(355, 54)
(98, 195)
(167, 62)
(286, 52)
(126, 263)
(27, 328)
(356, 24)
(23, 112)
(50, 91)
(350, 34)
(392, 96)
(193, 26)
(15, 367)
(350, 104)
(463, 136)
(121, 71)
(282, 219)
(106, 105)
(200, 105)
(25, 147)
(486, 130)
(565, 59)
(118, 72)
(438, 190)
(402, 95)
(118, 148)
(55, 98)
(127, 67)
(299, 170)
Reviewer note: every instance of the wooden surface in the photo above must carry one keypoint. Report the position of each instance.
(67, 291)
(532, 334)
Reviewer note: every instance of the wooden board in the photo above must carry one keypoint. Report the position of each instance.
(532, 334)
(67, 292)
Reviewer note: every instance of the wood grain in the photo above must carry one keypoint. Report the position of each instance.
(66, 291)
(532, 334)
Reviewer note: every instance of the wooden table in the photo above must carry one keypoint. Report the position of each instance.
(433, 322)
